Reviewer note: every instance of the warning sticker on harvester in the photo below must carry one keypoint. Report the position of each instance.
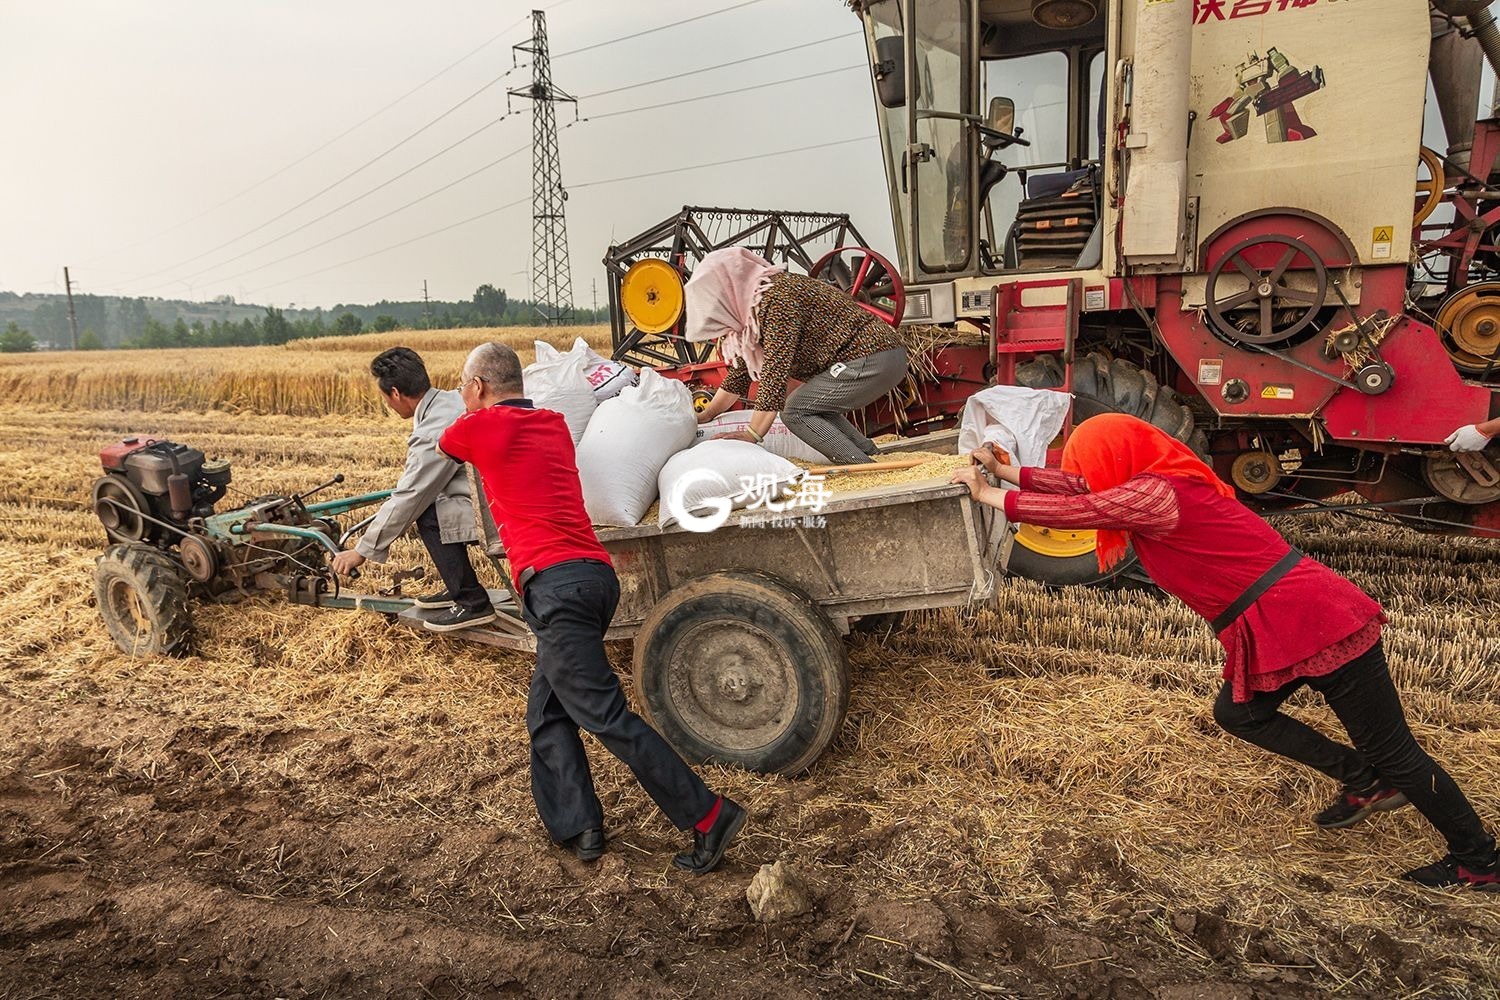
(1380, 242)
(1210, 371)
(1269, 391)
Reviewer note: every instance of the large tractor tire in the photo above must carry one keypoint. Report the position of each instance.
(1060, 557)
(142, 595)
(741, 668)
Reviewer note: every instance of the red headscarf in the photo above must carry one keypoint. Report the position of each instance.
(1112, 448)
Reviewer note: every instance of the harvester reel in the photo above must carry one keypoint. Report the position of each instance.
(1469, 323)
(1269, 311)
(1429, 193)
(121, 507)
(652, 296)
(871, 280)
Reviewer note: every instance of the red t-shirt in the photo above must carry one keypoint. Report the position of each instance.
(525, 460)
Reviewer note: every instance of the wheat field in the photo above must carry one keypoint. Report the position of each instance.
(1046, 763)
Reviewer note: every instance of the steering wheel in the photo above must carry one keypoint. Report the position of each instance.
(999, 140)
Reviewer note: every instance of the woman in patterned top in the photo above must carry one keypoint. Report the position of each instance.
(773, 327)
(1284, 620)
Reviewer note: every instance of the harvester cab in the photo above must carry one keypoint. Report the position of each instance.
(1212, 214)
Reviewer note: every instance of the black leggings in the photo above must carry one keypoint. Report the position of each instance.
(1363, 697)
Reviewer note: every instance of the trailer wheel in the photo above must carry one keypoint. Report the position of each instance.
(142, 595)
(1060, 557)
(739, 668)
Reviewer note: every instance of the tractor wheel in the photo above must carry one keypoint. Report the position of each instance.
(739, 668)
(142, 595)
(1061, 557)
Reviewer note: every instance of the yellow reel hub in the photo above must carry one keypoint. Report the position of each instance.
(651, 295)
(1056, 543)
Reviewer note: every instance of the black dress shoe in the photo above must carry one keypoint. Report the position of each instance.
(588, 845)
(708, 848)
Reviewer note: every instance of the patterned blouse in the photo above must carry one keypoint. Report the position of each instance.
(807, 326)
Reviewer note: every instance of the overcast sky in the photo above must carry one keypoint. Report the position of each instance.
(122, 120)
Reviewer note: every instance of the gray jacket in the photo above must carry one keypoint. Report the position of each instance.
(430, 477)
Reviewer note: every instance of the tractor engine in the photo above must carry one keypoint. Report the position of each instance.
(149, 483)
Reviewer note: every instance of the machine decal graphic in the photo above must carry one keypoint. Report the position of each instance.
(1232, 10)
(1269, 86)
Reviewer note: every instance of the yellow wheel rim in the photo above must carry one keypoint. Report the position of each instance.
(701, 399)
(1429, 188)
(1056, 543)
(651, 295)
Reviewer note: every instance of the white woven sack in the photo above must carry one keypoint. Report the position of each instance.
(1020, 420)
(732, 471)
(628, 441)
(555, 381)
(605, 377)
(780, 441)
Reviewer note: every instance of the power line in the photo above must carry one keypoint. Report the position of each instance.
(519, 201)
(652, 31)
(351, 201)
(379, 218)
(722, 93)
(512, 154)
(723, 65)
(363, 166)
(352, 128)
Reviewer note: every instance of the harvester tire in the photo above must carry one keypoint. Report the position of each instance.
(1100, 385)
(741, 668)
(142, 595)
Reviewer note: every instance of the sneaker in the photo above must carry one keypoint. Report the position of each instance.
(457, 617)
(1450, 872)
(1352, 806)
(708, 848)
(442, 599)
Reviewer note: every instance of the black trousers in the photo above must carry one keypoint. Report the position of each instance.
(1364, 698)
(452, 561)
(569, 607)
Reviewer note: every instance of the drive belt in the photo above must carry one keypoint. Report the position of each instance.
(1252, 593)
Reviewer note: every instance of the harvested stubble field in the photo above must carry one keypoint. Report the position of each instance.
(1027, 799)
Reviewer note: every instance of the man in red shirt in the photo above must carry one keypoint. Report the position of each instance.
(568, 595)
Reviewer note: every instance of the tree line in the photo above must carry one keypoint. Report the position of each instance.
(105, 322)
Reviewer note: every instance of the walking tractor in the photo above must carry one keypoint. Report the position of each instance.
(738, 633)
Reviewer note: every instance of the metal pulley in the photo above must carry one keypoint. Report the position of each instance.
(1256, 472)
(1469, 323)
(1465, 477)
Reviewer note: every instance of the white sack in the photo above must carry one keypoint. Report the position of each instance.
(780, 440)
(628, 441)
(605, 377)
(1020, 420)
(733, 471)
(555, 381)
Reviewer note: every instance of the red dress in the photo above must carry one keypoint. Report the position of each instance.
(1207, 549)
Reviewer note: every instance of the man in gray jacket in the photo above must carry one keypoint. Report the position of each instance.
(433, 493)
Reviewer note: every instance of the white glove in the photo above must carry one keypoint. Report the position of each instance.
(1467, 438)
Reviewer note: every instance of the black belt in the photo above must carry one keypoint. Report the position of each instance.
(1260, 586)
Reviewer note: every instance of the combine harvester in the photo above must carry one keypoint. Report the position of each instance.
(1206, 213)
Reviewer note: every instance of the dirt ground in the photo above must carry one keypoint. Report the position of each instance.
(1028, 799)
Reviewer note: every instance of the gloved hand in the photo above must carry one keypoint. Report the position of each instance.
(1467, 438)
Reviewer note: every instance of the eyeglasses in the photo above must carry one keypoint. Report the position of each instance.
(472, 378)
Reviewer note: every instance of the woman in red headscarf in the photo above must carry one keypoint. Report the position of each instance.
(1285, 621)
